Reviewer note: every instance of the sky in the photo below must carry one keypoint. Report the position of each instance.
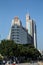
(11, 8)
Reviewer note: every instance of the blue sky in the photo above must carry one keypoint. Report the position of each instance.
(11, 8)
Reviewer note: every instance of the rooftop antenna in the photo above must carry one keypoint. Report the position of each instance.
(27, 14)
(27, 11)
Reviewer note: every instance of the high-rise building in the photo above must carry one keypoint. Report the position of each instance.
(35, 35)
(31, 27)
(23, 35)
(18, 33)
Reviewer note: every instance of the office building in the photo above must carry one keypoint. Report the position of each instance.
(23, 35)
(31, 27)
(18, 33)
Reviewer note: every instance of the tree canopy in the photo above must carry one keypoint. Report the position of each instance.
(9, 48)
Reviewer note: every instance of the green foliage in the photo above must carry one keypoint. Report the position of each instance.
(9, 48)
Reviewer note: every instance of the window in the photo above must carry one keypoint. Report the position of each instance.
(18, 27)
(17, 37)
(13, 26)
(17, 40)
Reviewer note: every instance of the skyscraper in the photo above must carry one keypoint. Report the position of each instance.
(18, 33)
(31, 27)
(23, 35)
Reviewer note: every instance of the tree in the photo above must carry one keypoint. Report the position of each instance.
(1, 57)
(9, 48)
